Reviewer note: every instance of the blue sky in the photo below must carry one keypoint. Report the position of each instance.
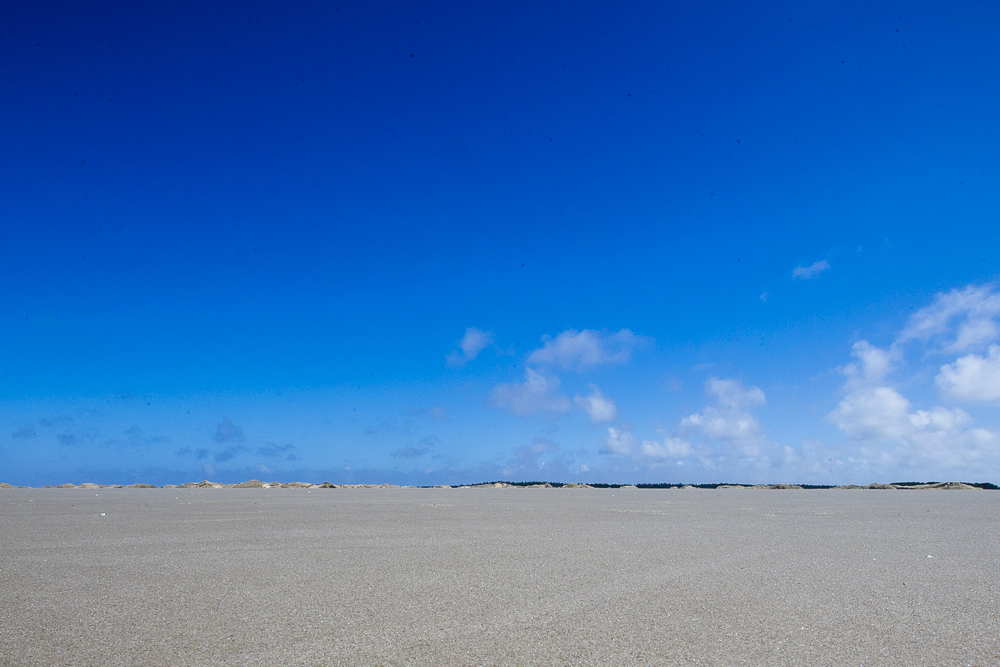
(444, 243)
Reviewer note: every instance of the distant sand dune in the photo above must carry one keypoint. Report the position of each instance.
(257, 484)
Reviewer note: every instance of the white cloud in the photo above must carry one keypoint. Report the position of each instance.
(730, 394)
(597, 405)
(965, 319)
(875, 363)
(538, 395)
(670, 448)
(972, 377)
(471, 345)
(723, 425)
(619, 441)
(729, 419)
(885, 435)
(812, 271)
(873, 413)
(583, 350)
(939, 419)
(897, 437)
(726, 435)
(936, 438)
(954, 447)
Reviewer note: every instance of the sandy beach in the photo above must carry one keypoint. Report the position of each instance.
(503, 576)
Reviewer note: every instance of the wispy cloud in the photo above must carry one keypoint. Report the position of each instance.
(409, 453)
(134, 437)
(226, 431)
(599, 407)
(472, 343)
(543, 459)
(24, 433)
(873, 363)
(538, 395)
(957, 321)
(583, 350)
(811, 271)
(972, 378)
(670, 448)
(229, 453)
(538, 447)
(619, 441)
(729, 418)
(273, 451)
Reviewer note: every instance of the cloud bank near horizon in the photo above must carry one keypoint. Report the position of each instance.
(912, 408)
(886, 433)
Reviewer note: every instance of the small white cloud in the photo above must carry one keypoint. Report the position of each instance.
(619, 441)
(472, 343)
(812, 271)
(940, 419)
(972, 377)
(537, 395)
(875, 363)
(583, 350)
(597, 405)
(965, 319)
(722, 425)
(670, 448)
(763, 297)
(729, 419)
(731, 394)
(873, 414)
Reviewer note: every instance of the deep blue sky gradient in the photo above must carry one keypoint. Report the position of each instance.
(286, 215)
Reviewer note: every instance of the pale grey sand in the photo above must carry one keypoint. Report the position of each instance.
(498, 576)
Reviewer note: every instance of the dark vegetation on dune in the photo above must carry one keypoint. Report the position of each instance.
(535, 484)
(978, 485)
(666, 485)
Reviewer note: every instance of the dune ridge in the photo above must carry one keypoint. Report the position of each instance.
(257, 484)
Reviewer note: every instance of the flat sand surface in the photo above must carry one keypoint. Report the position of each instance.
(498, 577)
